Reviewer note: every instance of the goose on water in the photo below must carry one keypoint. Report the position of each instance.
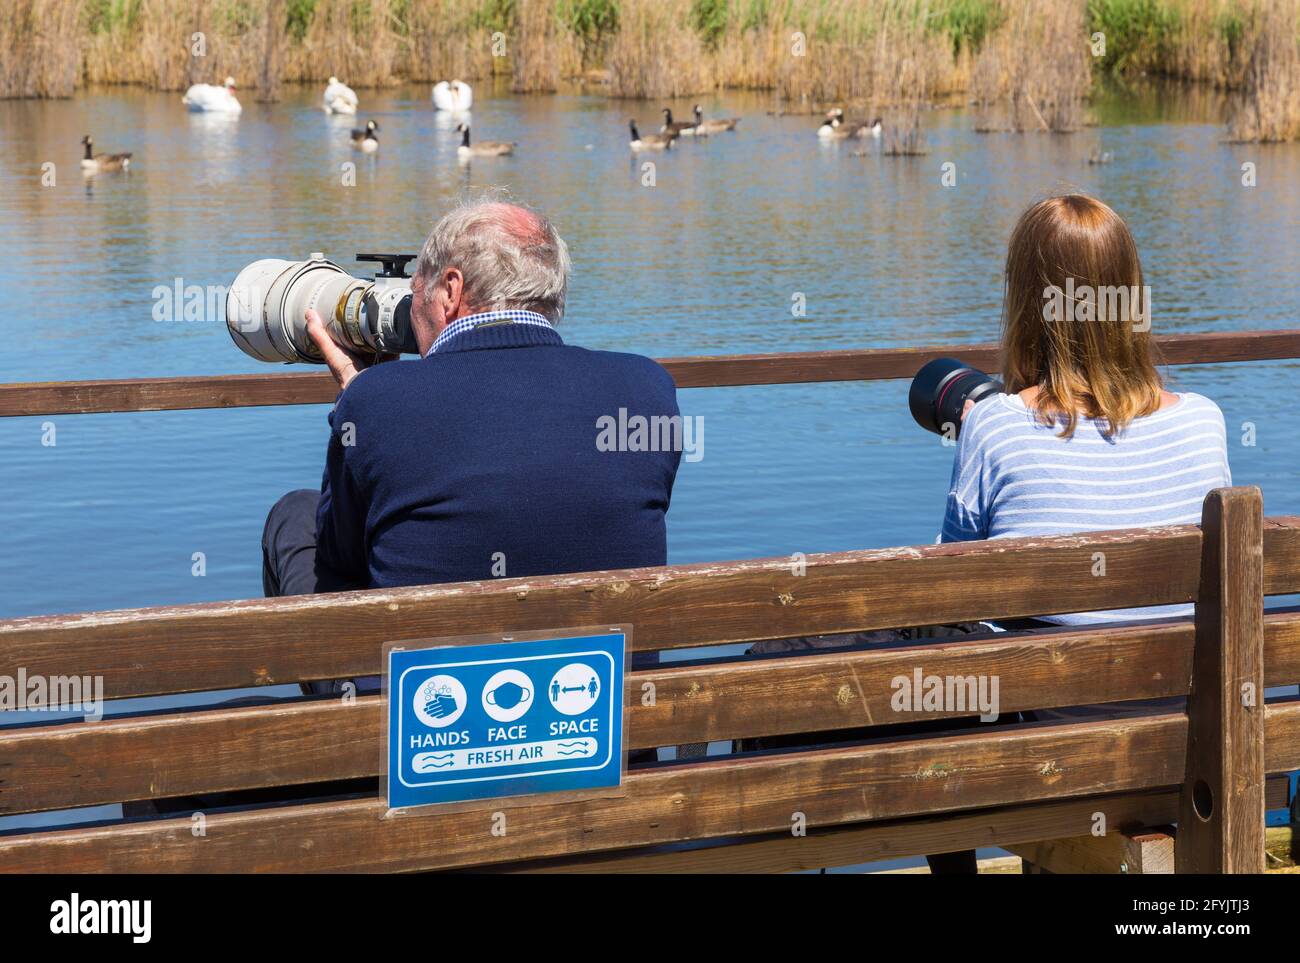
(649, 141)
(209, 98)
(486, 148)
(676, 129)
(837, 127)
(365, 140)
(94, 163)
(704, 128)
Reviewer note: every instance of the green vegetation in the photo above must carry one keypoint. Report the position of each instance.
(105, 15)
(298, 14)
(968, 22)
(1139, 33)
(709, 18)
(592, 21)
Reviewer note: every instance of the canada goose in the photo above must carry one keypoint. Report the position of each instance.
(839, 127)
(94, 163)
(703, 128)
(676, 129)
(835, 129)
(339, 98)
(649, 141)
(453, 96)
(833, 126)
(365, 140)
(203, 98)
(485, 148)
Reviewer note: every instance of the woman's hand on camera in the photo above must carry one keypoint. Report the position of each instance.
(344, 365)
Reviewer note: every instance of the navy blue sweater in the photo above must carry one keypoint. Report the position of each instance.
(485, 454)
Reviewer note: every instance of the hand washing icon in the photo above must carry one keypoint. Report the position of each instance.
(439, 701)
(507, 695)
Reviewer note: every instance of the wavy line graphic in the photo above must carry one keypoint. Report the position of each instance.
(434, 761)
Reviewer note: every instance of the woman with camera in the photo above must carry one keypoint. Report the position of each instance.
(1085, 437)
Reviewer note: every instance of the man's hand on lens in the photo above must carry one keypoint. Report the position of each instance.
(965, 409)
(344, 365)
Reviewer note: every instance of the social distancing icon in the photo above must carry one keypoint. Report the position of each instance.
(574, 689)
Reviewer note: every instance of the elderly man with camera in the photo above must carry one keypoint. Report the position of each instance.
(480, 459)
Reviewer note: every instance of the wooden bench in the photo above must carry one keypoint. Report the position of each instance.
(869, 799)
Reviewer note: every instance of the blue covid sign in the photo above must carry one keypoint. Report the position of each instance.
(505, 719)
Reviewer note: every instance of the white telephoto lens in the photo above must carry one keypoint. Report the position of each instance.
(266, 308)
(247, 316)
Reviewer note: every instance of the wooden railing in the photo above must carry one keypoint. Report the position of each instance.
(317, 387)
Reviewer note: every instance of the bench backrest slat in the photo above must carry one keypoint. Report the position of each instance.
(668, 804)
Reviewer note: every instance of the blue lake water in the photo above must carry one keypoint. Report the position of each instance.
(707, 261)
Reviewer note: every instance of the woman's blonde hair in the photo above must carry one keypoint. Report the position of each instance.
(1076, 315)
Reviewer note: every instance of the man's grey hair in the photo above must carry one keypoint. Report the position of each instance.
(510, 256)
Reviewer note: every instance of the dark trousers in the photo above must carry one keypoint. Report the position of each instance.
(289, 549)
(289, 567)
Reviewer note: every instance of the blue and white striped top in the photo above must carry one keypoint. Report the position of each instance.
(1014, 477)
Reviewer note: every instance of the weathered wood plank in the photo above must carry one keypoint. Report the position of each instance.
(317, 387)
(225, 644)
(848, 845)
(725, 797)
(1138, 852)
(1281, 556)
(1221, 813)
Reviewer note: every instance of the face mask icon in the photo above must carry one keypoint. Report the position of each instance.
(508, 695)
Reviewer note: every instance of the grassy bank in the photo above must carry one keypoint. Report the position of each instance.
(1034, 57)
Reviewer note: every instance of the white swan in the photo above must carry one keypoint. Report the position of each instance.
(209, 97)
(453, 96)
(339, 98)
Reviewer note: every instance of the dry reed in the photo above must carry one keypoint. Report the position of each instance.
(1269, 110)
(1025, 60)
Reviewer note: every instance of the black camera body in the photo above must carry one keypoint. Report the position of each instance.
(940, 391)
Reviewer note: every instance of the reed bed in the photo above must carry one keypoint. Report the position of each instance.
(35, 55)
(1046, 91)
(1025, 61)
(1269, 110)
